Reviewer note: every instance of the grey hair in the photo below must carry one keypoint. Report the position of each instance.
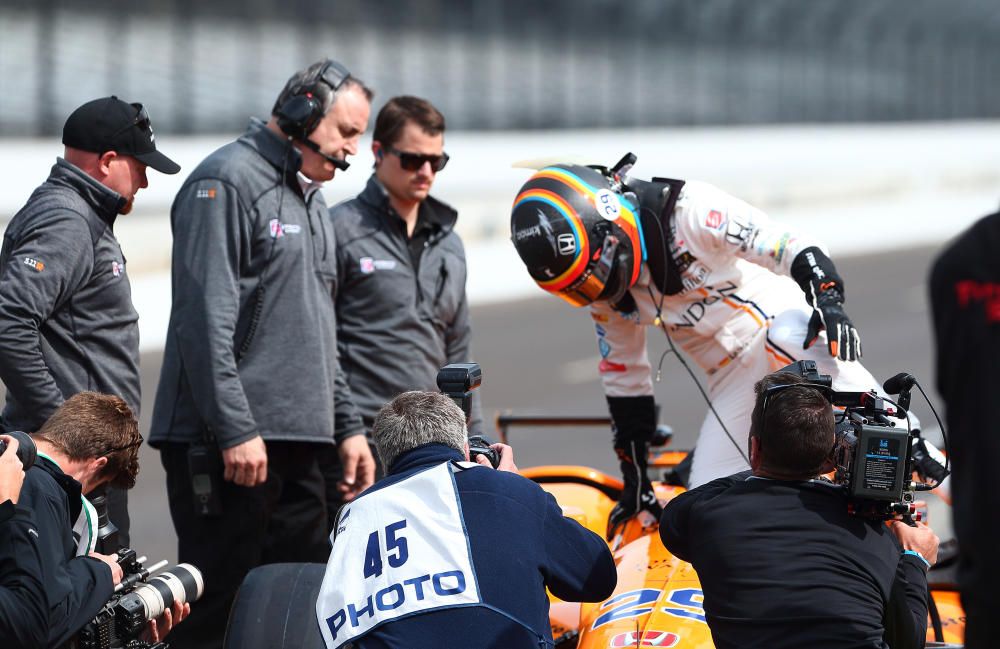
(298, 82)
(416, 418)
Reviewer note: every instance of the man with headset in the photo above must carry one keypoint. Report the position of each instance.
(706, 268)
(251, 391)
(66, 317)
(779, 557)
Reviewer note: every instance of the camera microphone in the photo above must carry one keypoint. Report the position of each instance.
(336, 162)
(899, 383)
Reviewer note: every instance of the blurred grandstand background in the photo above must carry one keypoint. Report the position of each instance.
(782, 102)
(515, 64)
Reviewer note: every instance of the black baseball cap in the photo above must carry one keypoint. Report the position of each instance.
(110, 124)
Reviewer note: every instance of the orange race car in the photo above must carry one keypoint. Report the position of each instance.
(658, 600)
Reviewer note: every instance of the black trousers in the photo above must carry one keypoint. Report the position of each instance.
(283, 520)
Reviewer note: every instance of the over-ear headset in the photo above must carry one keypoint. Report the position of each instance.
(300, 113)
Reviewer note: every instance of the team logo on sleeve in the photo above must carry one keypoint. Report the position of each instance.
(117, 268)
(714, 220)
(31, 262)
(205, 193)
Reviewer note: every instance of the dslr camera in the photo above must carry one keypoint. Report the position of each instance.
(458, 381)
(874, 459)
(138, 598)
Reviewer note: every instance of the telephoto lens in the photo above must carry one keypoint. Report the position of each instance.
(182, 583)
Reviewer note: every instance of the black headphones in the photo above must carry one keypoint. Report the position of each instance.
(300, 113)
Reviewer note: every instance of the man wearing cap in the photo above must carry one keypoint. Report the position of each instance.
(67, 323)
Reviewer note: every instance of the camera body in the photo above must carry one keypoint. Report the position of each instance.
(458, 381)
(139, 599)
(873, 458)
(479, 445)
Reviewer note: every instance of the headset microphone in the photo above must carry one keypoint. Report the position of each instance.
(336, 162)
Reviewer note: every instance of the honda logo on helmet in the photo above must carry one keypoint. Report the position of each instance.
(567, 243)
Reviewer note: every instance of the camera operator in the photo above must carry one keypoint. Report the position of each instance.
(781, 561)
(454, 554)
(22, 598)
(90, 440)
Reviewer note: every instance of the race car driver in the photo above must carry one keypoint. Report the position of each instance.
(709, 270)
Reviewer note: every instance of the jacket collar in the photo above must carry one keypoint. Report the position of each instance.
(436, 212)
(422, 457)
(102, 199)
(69, 485)
(273, 148)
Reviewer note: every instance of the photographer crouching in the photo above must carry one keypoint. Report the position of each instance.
(22, 598)
(781, 561)
(443, 552)
(90, 441)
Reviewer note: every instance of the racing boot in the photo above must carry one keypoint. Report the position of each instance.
(637, 494)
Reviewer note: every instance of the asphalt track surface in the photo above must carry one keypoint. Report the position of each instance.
(539, 356)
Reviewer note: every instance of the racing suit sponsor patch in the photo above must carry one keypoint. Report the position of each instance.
(741, 234)
(609, 367)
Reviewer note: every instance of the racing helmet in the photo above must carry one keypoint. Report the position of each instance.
(579, 237)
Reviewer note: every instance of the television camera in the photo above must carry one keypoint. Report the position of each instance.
(875, 460)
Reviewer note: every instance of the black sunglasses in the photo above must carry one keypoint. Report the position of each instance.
(413, 161)
(141, 120)
(126, 447)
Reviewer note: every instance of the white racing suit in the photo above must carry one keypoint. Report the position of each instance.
(739, 316)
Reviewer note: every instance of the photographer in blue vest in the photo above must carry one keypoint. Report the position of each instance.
(444, 552)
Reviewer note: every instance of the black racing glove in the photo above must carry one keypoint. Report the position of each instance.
(633, 424)
(816, 275)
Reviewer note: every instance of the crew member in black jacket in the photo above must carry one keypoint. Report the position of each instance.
(22, 598)
(965, 304)
(781, 562)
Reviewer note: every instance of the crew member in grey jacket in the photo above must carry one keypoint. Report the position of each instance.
(402, 312)
(250, 366)
(67, 323)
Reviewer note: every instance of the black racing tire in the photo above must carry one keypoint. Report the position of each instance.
(275, 608)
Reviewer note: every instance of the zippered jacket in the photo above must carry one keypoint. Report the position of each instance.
(67, 323)
(397, 325)
(512, 542)
(251, 346)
